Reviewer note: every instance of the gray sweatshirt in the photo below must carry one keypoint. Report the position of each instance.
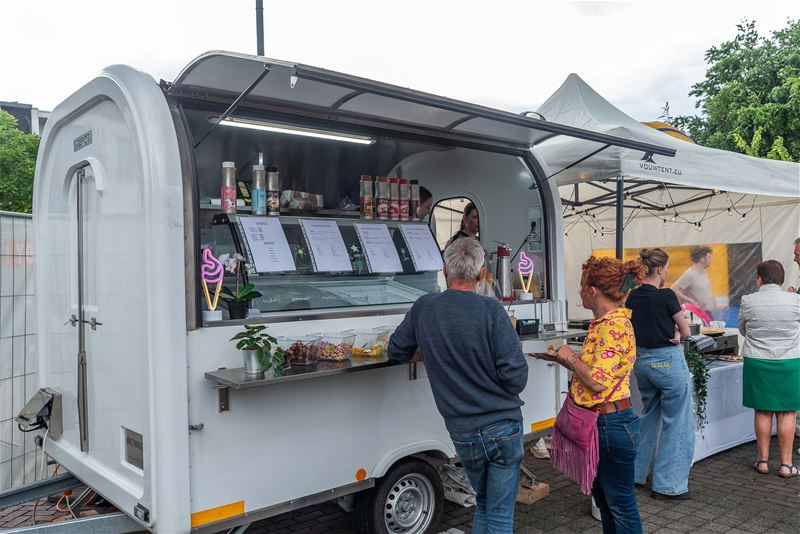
(472, 356)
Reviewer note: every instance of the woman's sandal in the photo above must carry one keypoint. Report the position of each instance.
(794, 471)
(762, 470)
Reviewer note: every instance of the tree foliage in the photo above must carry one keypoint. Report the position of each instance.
(749, 101)
(17, 165)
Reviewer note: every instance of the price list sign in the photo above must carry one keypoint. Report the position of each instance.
(269, 249)
(328, 251)
(379, 248)
(423, 248)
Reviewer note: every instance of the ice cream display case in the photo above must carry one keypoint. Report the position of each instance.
(325, 263)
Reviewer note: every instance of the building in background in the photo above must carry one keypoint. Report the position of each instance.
(29, 119)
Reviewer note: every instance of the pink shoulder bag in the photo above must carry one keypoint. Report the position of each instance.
(576, 449)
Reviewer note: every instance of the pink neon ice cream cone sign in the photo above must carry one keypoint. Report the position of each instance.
(525, 267)
(211, 273)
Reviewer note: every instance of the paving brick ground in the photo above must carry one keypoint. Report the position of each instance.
(727, 496)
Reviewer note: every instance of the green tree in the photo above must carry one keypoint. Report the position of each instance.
(17, 165)
(749, 101)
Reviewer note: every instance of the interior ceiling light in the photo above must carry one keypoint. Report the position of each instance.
(295, 130)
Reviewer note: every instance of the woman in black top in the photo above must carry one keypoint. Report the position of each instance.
(663, 379)
(470, 224)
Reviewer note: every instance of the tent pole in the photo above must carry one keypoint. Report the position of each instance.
(620, 209)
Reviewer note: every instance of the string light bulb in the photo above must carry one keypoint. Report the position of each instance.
(730, 212)
(744, 215)
(675, 217)
(666, 222)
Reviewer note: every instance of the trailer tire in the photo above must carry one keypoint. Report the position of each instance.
(408, 500)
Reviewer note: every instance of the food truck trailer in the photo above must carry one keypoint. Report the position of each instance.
(148, 402)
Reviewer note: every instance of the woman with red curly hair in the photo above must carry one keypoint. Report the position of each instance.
(601, 382)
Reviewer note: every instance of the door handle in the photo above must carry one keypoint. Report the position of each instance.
(94, 323)
(73, 320)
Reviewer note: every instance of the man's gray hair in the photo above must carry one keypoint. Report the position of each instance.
(464, 259)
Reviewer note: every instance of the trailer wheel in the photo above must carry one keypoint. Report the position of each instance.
(408, 500)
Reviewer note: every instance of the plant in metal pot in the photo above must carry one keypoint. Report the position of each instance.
(260, 352)
(697, 366)
(238, 298)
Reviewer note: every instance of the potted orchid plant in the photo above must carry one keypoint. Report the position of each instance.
(238, 298)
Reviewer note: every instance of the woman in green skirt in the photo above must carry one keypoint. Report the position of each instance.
(770, 322)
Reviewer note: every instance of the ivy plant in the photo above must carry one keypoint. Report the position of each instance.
(697, 366)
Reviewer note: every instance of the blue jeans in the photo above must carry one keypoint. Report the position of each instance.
(491, 458)
(613, 489)
(667, 419)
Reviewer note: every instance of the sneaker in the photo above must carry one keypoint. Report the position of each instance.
(539, 450)
(664, 497)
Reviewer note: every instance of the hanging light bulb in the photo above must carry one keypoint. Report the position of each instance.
(666, 222)
(699, 227)
(594, 231)
(744, 215)
(675, 217)
(730, 212)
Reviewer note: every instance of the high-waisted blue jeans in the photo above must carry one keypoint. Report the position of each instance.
(613, 489)
(667, 419)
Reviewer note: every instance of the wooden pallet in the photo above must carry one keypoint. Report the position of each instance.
(531, 495)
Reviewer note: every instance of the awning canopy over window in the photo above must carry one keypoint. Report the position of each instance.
(290, 86)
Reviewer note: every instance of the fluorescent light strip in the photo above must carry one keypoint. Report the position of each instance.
(297, 130)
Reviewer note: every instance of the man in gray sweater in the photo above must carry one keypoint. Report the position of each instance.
(476, 369)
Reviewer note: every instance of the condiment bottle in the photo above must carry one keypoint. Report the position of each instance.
(382, 198)
(413, 206)
(403, 199)
(273, 191)
(259, 189)
(394, 199)
(366, 197)
(227, 191)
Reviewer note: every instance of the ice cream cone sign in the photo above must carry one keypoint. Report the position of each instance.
(211, 273)
(525, 267)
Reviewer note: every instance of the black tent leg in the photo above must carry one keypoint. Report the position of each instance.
(620, 209)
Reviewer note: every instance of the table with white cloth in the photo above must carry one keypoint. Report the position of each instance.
(729, 423)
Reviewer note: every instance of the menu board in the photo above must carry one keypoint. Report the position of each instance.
(328, 252)
(379, 248)
(269, 249)
(424, 251)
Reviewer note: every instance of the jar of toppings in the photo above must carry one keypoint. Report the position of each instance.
(336, 346)
(302, 350)
(382, 198)
(366, 197)
(403, 200)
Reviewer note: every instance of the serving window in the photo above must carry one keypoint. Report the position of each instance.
(372, 262)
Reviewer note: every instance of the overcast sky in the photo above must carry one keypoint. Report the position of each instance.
(509, 55)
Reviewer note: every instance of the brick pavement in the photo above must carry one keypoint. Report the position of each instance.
(727, 496)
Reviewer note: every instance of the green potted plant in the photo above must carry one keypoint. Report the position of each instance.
(260, 353)
(237, 299)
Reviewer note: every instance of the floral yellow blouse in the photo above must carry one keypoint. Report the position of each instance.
(610, 350)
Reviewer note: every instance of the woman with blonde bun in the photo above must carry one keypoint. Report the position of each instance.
(662, 375)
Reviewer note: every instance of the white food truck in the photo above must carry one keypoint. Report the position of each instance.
(156, 412)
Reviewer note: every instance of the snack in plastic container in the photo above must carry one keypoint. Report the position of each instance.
(302, 350)
(371, 343)
(336, 346)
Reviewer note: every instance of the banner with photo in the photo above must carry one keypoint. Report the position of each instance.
(731, 272)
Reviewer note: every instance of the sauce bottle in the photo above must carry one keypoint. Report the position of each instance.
(366, 197)
(404, 205)
(413, 206)
(259, 189)
(394, 199)
(382, 198)
(227, 191)
(273, 191)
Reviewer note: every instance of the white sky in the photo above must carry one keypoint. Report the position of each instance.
(509, 55)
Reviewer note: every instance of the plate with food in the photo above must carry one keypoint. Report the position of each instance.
(712, 331)
(731, 358)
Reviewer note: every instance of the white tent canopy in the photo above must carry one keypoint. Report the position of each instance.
(575, 103)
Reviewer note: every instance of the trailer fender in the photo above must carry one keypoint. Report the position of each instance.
(410, 449)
